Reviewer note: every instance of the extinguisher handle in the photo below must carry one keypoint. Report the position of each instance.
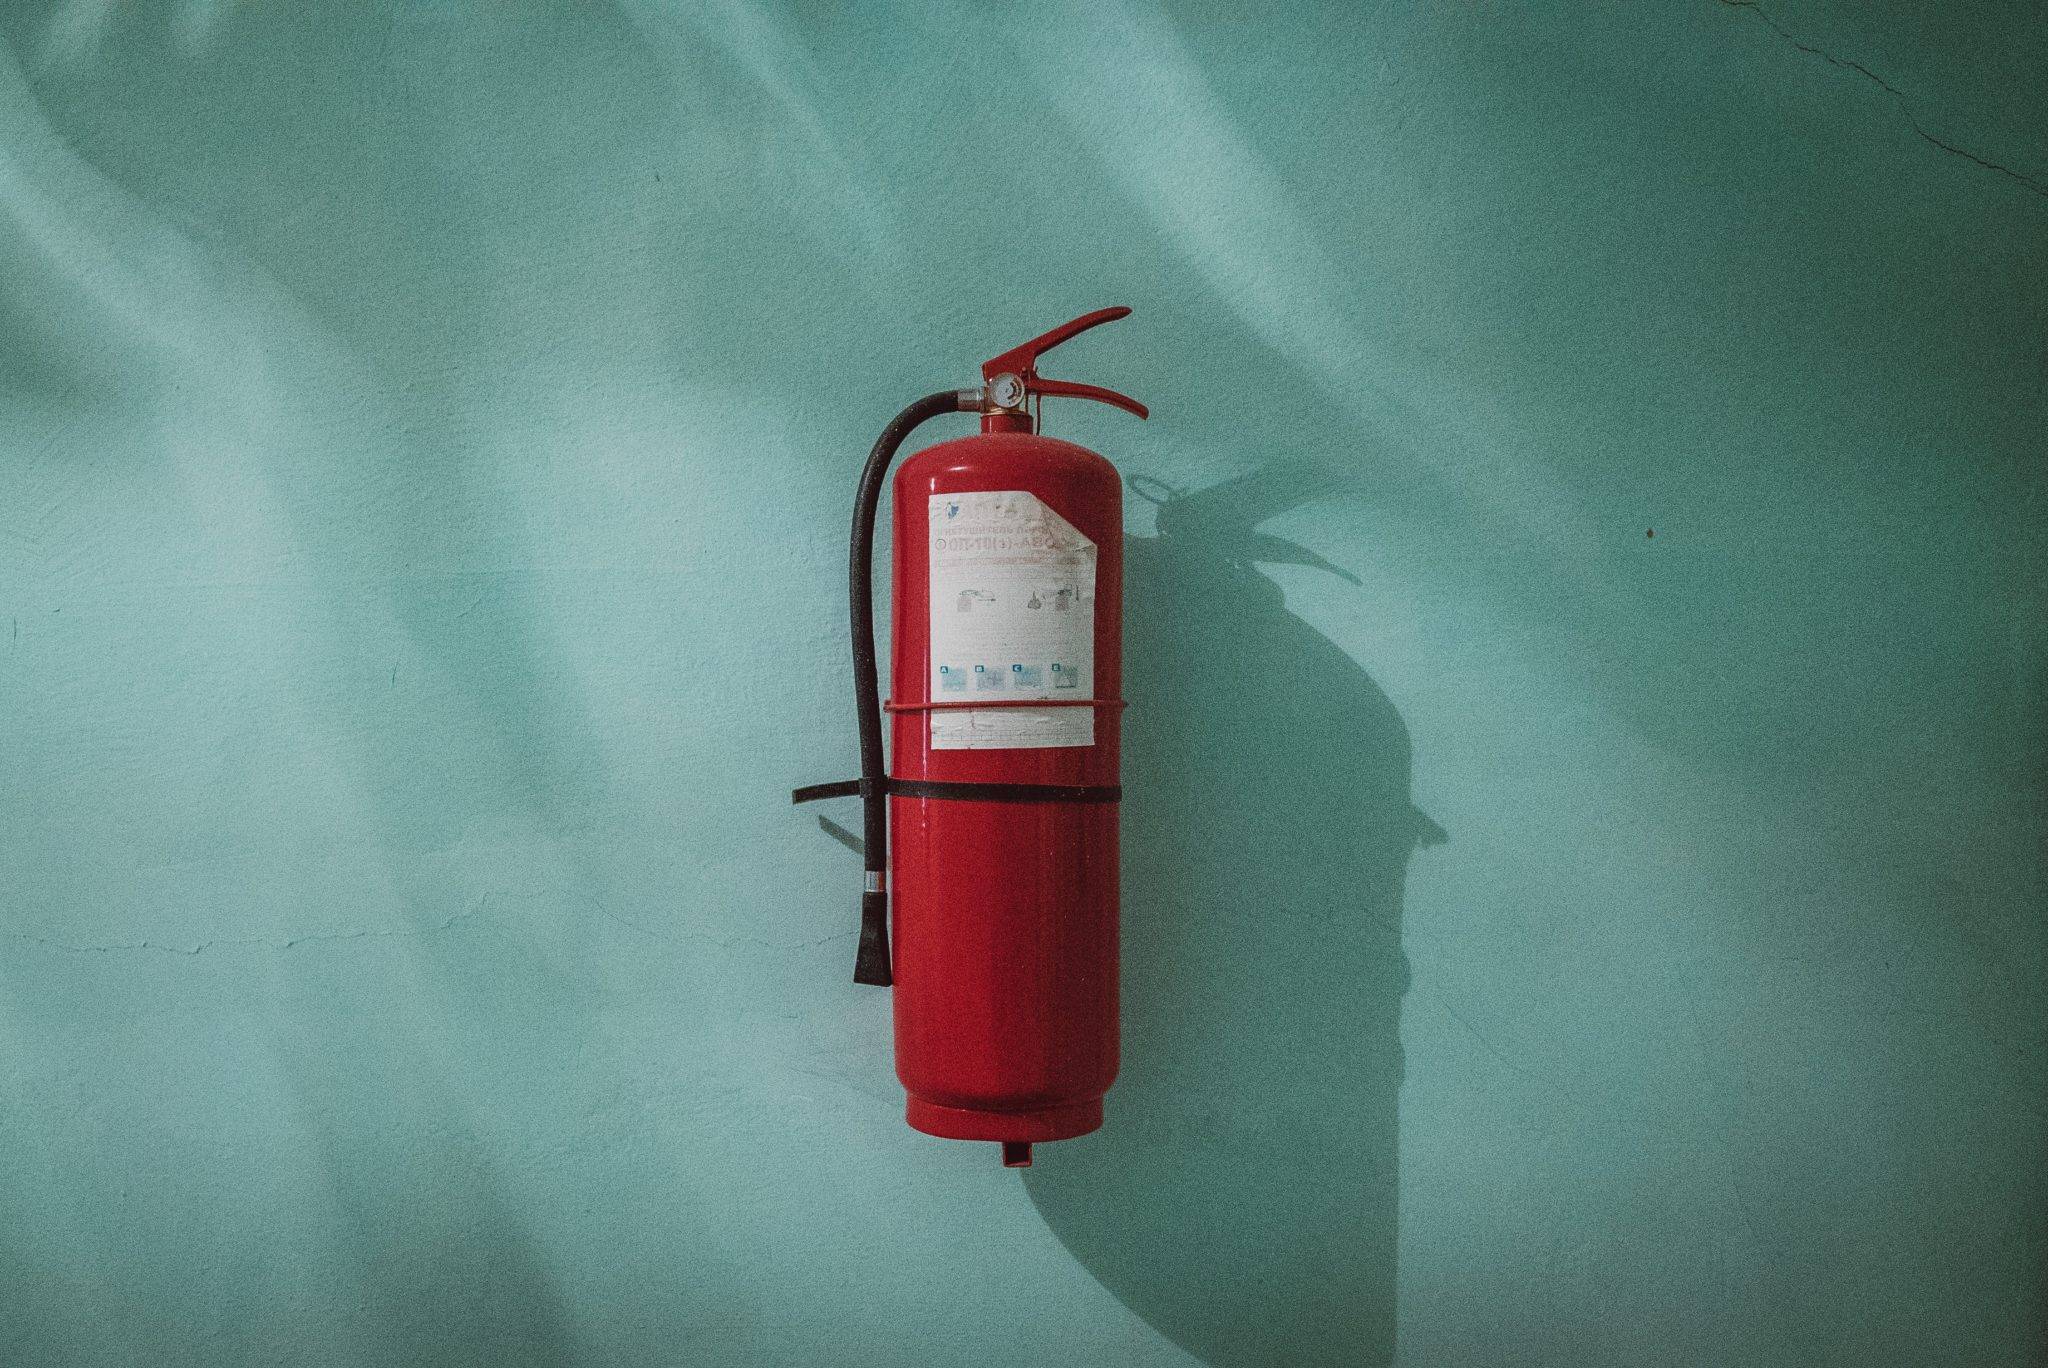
(1021, 363)
(1070, 389)
(1024, 360)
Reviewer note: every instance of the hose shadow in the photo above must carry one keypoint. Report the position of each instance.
(1241, 1197)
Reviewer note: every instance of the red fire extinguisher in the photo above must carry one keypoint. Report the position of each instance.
(1005, 702)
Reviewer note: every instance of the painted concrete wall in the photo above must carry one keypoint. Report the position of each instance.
(426, 434)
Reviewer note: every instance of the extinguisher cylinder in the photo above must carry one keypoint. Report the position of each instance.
(1008, 577)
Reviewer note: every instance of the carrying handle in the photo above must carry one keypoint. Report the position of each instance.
(1011, 380)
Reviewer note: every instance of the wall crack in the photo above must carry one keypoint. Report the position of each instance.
(1899, 97)
(201, 947)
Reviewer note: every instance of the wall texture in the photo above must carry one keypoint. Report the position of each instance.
(426, 433)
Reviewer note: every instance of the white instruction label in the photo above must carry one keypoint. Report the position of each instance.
(1013, 617)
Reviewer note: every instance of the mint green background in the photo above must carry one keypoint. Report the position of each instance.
(426, 442)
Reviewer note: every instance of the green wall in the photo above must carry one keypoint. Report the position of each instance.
(426, 436)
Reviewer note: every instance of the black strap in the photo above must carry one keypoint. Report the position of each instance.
(970, 793)
(1007, 793)
(845, 788)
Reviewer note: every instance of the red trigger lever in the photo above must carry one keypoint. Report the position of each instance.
(1011, 379)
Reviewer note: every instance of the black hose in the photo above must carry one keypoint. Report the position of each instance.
(871, 961)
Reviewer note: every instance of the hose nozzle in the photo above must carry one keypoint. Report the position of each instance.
(871, 960)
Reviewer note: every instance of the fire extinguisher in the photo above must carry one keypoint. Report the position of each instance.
(1004, 709)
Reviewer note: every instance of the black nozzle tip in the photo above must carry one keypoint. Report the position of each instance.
(871, 960)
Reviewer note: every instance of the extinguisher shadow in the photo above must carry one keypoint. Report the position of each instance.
(1241, 1196)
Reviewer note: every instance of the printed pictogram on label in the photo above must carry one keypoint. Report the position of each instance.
(1012, 610)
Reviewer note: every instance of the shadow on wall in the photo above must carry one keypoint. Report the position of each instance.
(1241, 1195)
(446, 1271)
